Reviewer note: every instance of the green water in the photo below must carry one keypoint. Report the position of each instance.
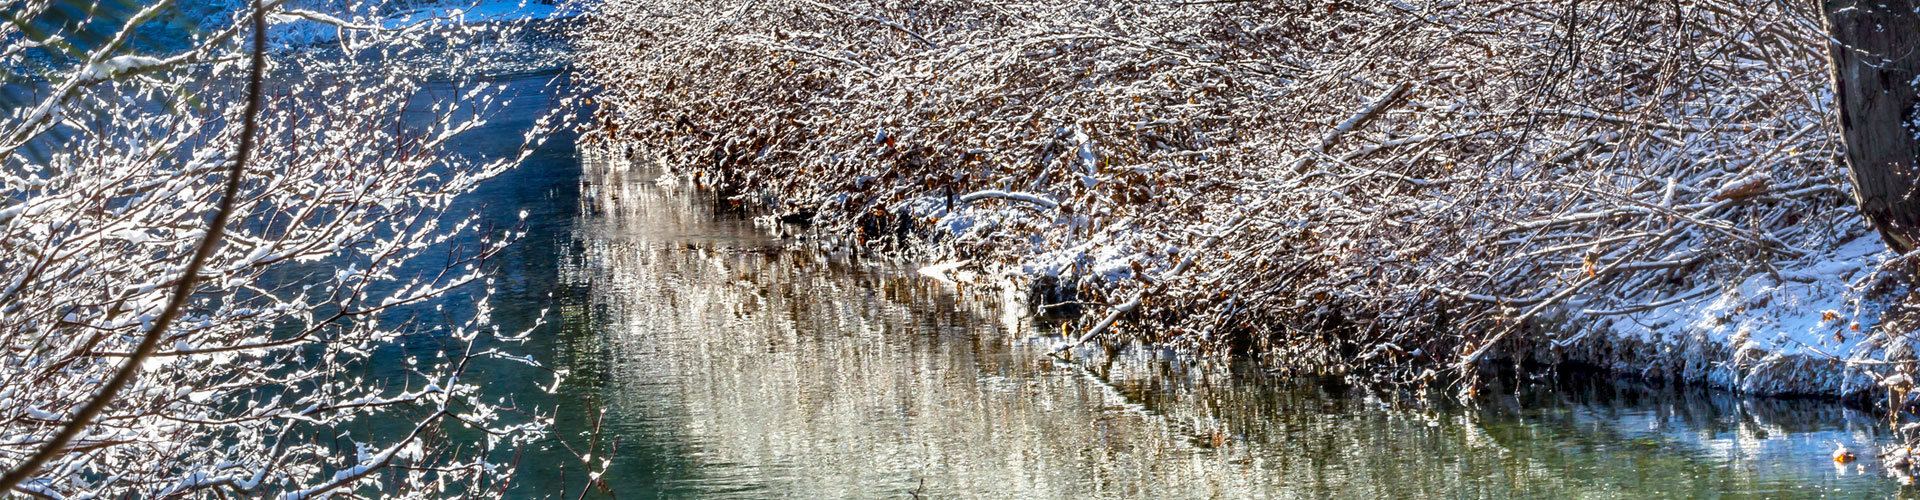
(714, 364)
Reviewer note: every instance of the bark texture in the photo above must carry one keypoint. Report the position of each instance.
(1875, 49)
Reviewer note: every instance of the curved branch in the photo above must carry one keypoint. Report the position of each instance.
(182, 290)
(1036, 199)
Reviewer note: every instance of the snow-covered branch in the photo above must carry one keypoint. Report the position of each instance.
(340, 241)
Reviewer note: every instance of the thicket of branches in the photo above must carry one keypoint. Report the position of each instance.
(1402, 185)
(311, 358)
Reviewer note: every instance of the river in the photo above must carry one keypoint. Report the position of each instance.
(707, 361)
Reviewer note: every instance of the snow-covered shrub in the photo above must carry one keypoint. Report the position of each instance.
(1404, 186)
(313, 356)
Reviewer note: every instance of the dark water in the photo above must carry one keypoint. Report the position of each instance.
(715, 365)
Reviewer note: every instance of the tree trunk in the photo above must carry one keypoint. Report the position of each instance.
(1875, 51)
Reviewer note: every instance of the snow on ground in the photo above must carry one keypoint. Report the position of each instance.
(1800, 329)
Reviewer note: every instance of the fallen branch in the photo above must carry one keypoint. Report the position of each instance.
(1359, 118)
(1010, 195)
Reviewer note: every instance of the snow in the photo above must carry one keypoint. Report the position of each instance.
(122, 64)
(1042, 201)
(1771, 333)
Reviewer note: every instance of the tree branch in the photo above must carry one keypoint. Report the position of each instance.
(183, 289)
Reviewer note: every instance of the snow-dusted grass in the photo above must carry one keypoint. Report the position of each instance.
(1403, 188)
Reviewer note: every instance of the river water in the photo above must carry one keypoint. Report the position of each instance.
(708, 362)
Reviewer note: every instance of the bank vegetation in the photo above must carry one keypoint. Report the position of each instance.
(1397, 189)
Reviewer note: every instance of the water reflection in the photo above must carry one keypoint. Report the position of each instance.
(729, 369)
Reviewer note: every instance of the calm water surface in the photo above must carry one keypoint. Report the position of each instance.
(715, 365)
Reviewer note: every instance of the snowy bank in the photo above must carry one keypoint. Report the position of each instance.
(1797, 329)
(1400, 189)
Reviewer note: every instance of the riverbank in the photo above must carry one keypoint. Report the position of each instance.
(728, 366)
(1388, 189)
